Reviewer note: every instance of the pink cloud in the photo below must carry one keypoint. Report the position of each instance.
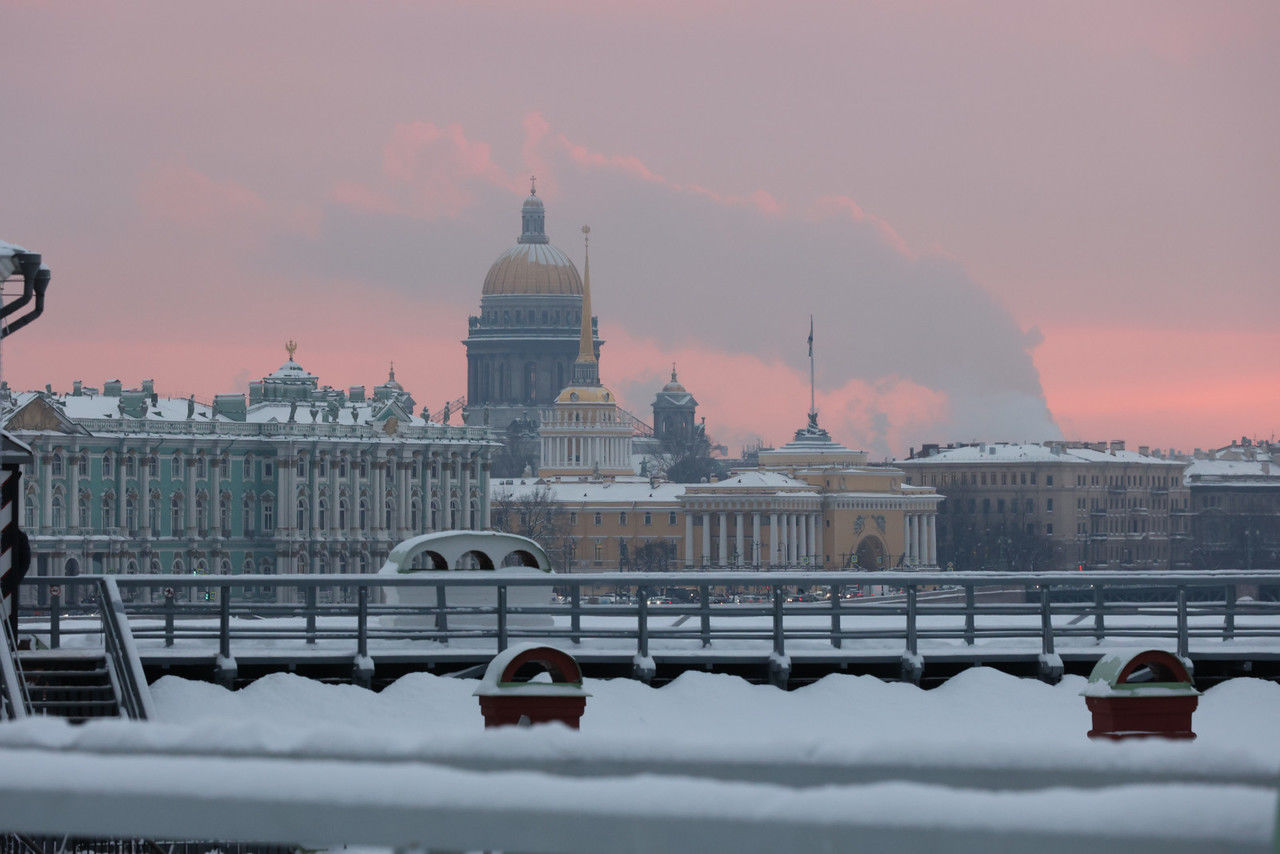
(428, 171)
(747, 399)
(179, 194)
(828, 206)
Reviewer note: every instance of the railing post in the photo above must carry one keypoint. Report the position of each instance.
(1046, 622)
(502, 617)
(704, 612)
(1229, 617)
(169, 609)
(836, 590)
(642, 622)
(575, 613)
(55, 615)
(1184, 642)
(779, 637)
(362, 621)
(1099, 609)
(913, 641)
(224, 623)
(442, 618)
(310, 599)
(969, 608)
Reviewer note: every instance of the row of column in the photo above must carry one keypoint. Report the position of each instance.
(795, 539)
(467, 469)
(920, 535)
(586, 451)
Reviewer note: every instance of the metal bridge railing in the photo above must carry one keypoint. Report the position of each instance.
(964, 609)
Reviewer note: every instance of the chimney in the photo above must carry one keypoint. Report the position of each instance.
(1117, 445)
(356, 394)
(230, 406)
(1144, 450)
(111, 388)
(148, 387)
(77, 388)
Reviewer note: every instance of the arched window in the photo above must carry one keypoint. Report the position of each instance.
(389, 514)
(302, 514)
(29, 513)
(342, 514)
(224, 514)
(452, 521)
(202, 515)
(108, 464)
(84, 509)
(415, 515)
(176, 520)
(322, 518)
(153, 514)
(202, 466)
(58, 521)
(364, 515)
(435, 514)
(131, 514)
(268, 515)
(55, 465)
(473, 515)
(248, 515)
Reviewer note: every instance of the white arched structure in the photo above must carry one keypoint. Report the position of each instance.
(464, 552)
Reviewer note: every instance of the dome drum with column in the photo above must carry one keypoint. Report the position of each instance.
(522, 346)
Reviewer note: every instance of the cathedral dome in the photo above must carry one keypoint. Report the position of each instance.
(533, 266)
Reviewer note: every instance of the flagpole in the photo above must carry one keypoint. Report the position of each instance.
(813, 408)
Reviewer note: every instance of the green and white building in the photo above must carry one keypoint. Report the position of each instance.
(298, 478)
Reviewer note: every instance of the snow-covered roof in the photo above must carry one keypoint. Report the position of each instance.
(291, 370)
(619, 491)
(755, 479)
(1034, 452)
(1260, 472)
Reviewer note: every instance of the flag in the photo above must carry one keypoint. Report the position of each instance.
(811, 336)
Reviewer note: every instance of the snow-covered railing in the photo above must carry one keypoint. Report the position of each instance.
(686, 613)
(315, 800)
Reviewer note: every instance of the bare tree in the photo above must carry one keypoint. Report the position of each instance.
(534, 513)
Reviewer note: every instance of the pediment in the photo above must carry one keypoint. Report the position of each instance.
(38, 414)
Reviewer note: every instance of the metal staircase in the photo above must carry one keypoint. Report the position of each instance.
(78, 684)
(73, 685)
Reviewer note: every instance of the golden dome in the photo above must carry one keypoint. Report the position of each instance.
(586, 394)
(533, 268)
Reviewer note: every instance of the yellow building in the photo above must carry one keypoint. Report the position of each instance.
(812, 503)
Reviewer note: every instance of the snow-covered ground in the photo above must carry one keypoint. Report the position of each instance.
(1017, 748)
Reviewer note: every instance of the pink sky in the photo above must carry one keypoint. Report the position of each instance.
(1011, 221)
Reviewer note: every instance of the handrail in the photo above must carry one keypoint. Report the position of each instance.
(948, 608)
(15, 703)
(135, 698)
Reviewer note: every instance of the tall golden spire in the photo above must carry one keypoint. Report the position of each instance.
(586, 346)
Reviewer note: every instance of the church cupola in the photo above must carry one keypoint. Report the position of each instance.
(533, 218)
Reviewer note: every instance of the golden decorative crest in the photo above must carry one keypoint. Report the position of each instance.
(290, 347)
(391, 425)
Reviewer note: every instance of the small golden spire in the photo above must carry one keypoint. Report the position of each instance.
(586, 346)
(533, 185)
(392, 376)
(290, 347)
